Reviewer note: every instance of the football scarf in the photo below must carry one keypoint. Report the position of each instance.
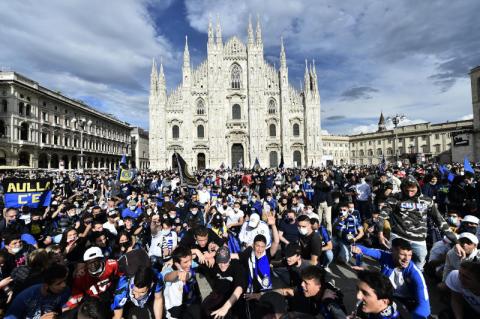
(259, 269)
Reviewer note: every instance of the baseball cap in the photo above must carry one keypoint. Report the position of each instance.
(469, 236)
(292, 249)
(92, 253)
(470, 219)
(222, 255)
(254, 220)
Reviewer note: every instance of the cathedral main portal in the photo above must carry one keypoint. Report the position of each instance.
(237, 155)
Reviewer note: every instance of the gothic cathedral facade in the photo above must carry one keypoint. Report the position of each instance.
(234, 108)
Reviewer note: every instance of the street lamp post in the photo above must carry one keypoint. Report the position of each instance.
(82, 122)
(396, 119)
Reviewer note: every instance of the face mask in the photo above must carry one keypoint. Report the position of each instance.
(225, 206)
(336, 200)
(194, 212)
(343, 213)
(125, 245)
(181, 204)
(269, 198)
(165, 232)
(236, 209)
(468, 229)
(172, 215)
(303, 231)
(76, 205)
(452, 220)
(351, 209)
(16, 250)
(289, 220)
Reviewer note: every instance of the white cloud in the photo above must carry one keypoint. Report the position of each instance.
(374, 127)
(85, 48)
(325, 132)
(466, 117)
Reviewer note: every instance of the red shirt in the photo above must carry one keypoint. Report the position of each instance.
(94, 286)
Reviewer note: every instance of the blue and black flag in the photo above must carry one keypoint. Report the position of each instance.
(185, 176)
(33, 193)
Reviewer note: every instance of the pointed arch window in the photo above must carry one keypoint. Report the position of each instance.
(200, 132)
(296, 130)
(272, 107)
(175, 131)
(200, 107)
(236, 112)
(272, 130)
(236, 76)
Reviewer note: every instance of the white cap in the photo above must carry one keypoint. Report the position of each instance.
(470, 219)
(254, 220)
(92, 253)
(469, 236)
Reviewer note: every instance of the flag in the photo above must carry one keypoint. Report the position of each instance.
(33, 193)
(185, 176)
(256, 166)
(466, 166)
(442, 169)
(282, 162)
(126, 175)
(122, 165)
(383, 165)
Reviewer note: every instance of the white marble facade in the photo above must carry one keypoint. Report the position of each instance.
(233, 108)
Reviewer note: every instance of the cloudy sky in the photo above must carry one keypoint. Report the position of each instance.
(408, 57)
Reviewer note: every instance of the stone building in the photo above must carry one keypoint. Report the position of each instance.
(139, 148)
(336, 149)
(45, 129)
(475, 83)
(233, 108)
(416, 142)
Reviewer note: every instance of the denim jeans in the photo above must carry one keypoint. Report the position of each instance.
(419, 250)
(327, 258)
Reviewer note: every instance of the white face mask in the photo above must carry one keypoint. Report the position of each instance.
(351, 209)
(133, 207)
(16, 250)
(194, 212)
(165, 231)
(303, 231)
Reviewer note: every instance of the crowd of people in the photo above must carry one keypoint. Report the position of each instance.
(268, 243)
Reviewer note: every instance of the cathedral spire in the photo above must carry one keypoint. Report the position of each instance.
(153, 77)
(210, 31)
(306, 78)
(219, 33)
(283, 57)
(161, 75)
(250, 31)
(186, 55)
(258, 32)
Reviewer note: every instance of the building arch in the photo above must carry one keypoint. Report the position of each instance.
(236, 76)
(272, 130)
(237, 155)
(273, 159)
(24, 131)
(175, 131)
(200, 107)
(200, 131)
(3, 129)
(65, 162)
(23, 158)
(297, 159)
(3, 158)
(272, 106)
(236, 112)
(201, 161)
(54, 161)
(296, 130)
(43, 160)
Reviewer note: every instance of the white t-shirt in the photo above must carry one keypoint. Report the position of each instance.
(453, 282)
(233, 217)
(111, 227)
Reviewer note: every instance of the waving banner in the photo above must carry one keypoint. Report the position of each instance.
(33, 193)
